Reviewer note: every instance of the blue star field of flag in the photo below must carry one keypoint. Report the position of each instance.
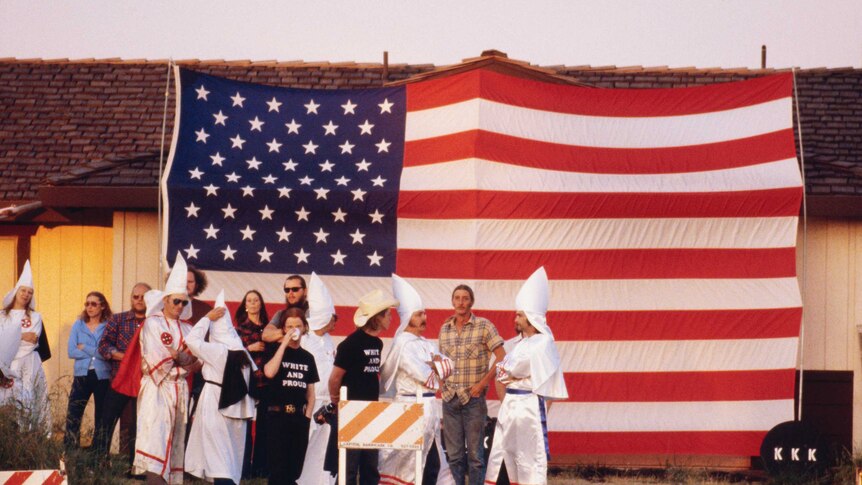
(277, 180)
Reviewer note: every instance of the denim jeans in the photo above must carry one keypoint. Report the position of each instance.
(463, 433)
(82, 388)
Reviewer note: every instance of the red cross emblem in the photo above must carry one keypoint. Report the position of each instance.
(167, 338)
(7, 383)
(26, 322)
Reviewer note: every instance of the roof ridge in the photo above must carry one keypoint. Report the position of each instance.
(85, 169)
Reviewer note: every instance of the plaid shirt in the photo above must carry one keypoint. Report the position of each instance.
(470, 351)
(118, 332)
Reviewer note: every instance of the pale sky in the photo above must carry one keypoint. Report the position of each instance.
(676, 33)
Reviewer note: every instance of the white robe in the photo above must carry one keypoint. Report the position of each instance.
(10, 338)
(30, 388)
(408, 361)
(162, 400)
(217, 438)
(323, 350)
(519, 440)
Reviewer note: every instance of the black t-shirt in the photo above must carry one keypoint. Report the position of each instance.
(359, 356)
(290, 384)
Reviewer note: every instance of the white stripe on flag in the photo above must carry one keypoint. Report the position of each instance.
(575, 295)
(478, 174)
(600, 131)
(669, 416)
(573, 234)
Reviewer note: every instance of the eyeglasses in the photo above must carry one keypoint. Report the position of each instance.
(178, 301)
(92, 304)
(293, 289)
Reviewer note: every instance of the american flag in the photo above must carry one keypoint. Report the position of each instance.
(666, 220)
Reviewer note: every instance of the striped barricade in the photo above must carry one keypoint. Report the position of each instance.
(378, 425)
(32, 477)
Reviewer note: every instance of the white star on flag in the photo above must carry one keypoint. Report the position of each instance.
(326, 166)
(247, 233)
(375, 259)
(358, 194)
(202, 135)
(229, 211)
(274, 145)
(338, 258)
(366, 128)
(233, 177)
(220, 118)
(321, 235)
(283, 234)
(339, 215)
(321, 193)
(311, 107)
(310, 147)
(237, 99)
(302, 214)
(346, 147)
(362, 166)
(306, 180)
(349, 107)
(301, 256)
(383, 146)
(217, 159)
(202, 93)
(284, 192)
(266, 213)
(290, 165)
(256, 124)
(379, 181)
(376, 216)
(195, 174)
(248, 191)
(386, 106)
(228, 252)
(342, 180)
(253, 164)
(237, 142)
(273, 105)
(192, 210)
(211, 190)
(191, 252)
(292, 127)
(269, 179)
(330, 128)
(265, 255)
(358, 237)
(212, 232)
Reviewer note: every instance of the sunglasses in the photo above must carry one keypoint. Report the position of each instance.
(92, 304)
(178, 301)
(293, 289)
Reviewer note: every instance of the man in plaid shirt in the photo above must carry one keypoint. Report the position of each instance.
(469, 341)
(115, 340)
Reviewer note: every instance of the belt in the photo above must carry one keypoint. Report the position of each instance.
(212, 382)
(518, 391)
(286, 409)
(424, 394)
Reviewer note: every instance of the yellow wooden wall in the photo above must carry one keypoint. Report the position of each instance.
(68, 262)
(136, 254)
(8, 262)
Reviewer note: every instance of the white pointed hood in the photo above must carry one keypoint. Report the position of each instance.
(408, 299)
(533, 300)
(222, 330)
(320, 305)
(176, 285)
(26, 279)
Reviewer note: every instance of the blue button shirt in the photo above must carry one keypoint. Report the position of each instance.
(88, 356)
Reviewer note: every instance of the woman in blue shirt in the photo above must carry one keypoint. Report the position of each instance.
(92, 372)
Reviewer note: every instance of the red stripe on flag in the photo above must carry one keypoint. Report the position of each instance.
(600, 264)
(595, 102)
(523, 152)
(624, 325)
(752, 385)
(470, 204)
(54, 479)
(734, 443)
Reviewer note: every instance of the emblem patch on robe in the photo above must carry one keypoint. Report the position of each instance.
(26, 322)
(8, 383)
(167, 338)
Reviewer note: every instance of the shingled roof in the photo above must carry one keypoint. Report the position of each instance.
(98, 123)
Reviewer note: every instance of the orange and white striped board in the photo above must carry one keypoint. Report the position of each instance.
(378, 424)
(32, 477)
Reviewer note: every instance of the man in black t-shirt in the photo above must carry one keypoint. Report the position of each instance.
(292, 373)
(357, 367)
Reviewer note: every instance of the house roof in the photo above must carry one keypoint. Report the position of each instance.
(98, 123)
